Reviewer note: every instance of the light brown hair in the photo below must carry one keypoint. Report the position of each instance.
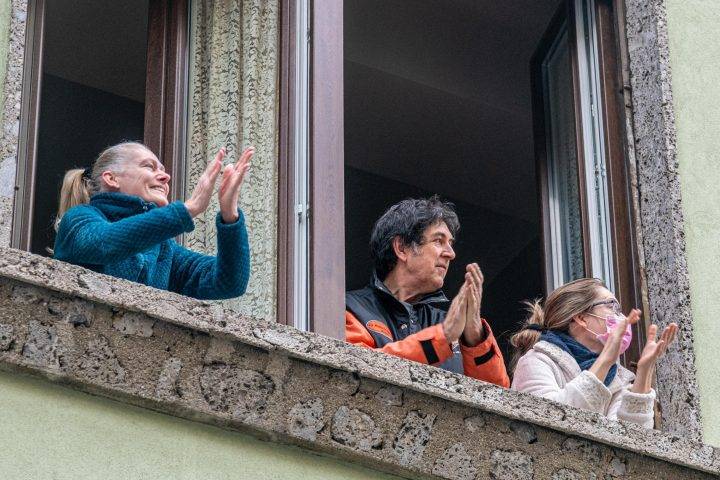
(561, 306)
(77, 188)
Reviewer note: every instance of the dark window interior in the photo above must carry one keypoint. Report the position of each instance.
(438, 101)
(92, 93)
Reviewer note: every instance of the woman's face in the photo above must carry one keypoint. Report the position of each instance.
(143, 175)
(592, 322)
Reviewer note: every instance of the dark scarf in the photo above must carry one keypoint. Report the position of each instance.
(582, 355)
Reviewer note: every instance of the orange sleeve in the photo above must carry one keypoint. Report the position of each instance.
(484, 361)
(429, 345)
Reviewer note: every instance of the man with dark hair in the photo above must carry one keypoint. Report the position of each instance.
(404, 312)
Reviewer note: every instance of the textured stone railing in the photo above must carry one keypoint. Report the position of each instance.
(191, 359)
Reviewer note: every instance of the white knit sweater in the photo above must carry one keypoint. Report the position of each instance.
(549, 372)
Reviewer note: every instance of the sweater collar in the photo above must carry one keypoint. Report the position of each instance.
(584, 357)
(116, 205)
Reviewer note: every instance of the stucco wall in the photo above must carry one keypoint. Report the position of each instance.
(62, 434)
(695, 62)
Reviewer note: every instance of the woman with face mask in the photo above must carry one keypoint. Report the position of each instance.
(568, 351)
(115, 218)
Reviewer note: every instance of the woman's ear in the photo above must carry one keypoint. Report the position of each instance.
(109, 180)
(400, 249)
(579, 319)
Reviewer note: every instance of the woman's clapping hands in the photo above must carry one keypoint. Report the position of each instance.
(229, 192)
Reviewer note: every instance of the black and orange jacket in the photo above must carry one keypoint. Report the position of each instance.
(374, 318)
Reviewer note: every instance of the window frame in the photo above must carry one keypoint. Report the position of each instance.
(165, 103)
(326, 210)
(327, 256)
(625, 256)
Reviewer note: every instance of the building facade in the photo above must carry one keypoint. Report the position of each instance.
(577, 133)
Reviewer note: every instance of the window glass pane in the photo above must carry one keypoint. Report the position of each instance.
(92, 93)
(564, 204)
(593, 143)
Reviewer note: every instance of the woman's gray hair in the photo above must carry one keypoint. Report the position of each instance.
(78, 187)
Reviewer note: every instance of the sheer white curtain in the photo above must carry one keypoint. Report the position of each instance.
(233, 99)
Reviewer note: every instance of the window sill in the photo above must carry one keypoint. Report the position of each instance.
(192, 359)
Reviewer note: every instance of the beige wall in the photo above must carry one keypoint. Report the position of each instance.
(48, 431)
(695, 61)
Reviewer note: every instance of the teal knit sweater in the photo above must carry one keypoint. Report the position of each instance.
(127, 237)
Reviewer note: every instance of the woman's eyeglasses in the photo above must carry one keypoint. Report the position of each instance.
(612, 303)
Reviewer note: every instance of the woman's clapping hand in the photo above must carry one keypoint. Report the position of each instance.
(654, 349)
(232, 180)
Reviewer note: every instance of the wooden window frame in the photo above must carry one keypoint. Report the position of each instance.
(165, 103)
(625, 257)
(327, 225)
(166, 87)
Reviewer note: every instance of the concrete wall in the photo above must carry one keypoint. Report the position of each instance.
(62, 434)
(695, 62)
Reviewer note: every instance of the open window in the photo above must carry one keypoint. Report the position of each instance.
(96, 73)
(512, 110)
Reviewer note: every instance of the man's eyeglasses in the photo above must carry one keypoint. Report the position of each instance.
(612, 303)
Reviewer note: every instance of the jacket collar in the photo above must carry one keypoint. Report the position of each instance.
(437, 297)
(568, 365)
(116, 205)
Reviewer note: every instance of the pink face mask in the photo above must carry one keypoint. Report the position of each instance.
(611, 322)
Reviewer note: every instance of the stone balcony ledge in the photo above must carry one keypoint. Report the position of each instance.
(193, 359)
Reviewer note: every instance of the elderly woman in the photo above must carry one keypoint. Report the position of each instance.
(115, 218)
(569, 351)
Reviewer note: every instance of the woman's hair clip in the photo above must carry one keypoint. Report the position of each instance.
(87, 173)
(535, 327)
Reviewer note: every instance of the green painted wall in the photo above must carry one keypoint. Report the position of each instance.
(695, 61)
(4, 40)
(52, 432)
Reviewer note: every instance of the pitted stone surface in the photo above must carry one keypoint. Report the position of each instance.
(617, 468)
(513, 465)
(390, 396)
(7, 337)
(99, 363)
(345, 382)
(474, 423)
(194, 367)
(41, 345)
(24, 295)
(455, 463)
(131, 323)
(94, 284)
(305, 419)
(10, 115)
(77, 313)
(413, 436)
(661, 212)
(566, 474)
(168, 383)
(220, 351)
(588, 450)
(242, 392)
(524, 431)
(354, 428)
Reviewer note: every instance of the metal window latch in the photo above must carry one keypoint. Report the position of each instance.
(302, 211)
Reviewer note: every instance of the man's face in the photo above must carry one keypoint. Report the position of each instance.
(429, 262)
